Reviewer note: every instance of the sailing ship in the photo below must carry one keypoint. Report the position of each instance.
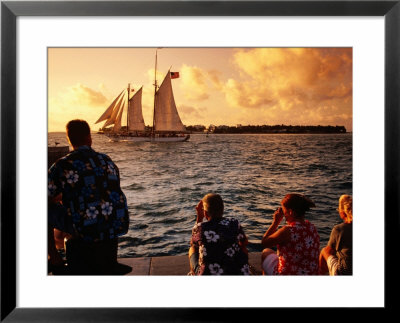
(167, 125)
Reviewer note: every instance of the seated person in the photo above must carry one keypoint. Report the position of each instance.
(297, 242)
(336, 257)
(86, 201)
(218, 245)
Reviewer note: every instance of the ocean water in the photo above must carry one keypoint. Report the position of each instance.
(163, 182)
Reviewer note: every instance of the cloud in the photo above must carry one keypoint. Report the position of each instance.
(215, 78)
(309, 84)
(194, 83)
(76, 101)
(189, 112)
(242, 94)
(85, 96)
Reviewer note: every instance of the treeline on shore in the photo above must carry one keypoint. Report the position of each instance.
(267, 129)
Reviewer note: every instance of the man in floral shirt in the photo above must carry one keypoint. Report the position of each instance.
(218, 246)
(93, 207)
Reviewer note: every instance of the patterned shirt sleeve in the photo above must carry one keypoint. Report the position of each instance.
(54, 181)
(242, 239)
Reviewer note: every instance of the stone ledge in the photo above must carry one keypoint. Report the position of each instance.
(172, 265)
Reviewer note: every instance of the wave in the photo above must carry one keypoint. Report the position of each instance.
(134, 187)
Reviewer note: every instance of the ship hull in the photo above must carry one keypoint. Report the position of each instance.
(149, 138)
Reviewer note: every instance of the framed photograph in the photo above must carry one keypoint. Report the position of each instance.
(32, 31)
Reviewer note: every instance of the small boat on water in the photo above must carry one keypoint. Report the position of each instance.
(167, 124)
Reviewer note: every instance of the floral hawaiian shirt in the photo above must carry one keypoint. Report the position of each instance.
(91, 194)
(221, 247)
(300, 255)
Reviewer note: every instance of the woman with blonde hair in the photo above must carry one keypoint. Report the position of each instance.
(297, 242)
(336, 257)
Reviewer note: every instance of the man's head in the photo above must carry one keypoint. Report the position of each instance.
(213, 204)
(78, 133)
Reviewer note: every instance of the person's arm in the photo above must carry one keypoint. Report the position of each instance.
(54, 197)
(195, 231)
(323, 258)
(272, 236)
(282, 236)
(54, 194)
(243, 241)
(200, 212)
(196, 235)
(53, 256)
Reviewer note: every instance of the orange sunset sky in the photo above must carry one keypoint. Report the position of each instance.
(219, 86)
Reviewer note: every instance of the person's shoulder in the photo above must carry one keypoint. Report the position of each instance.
(198, 227)
(73, 155)
(62, 161)
(103, 156)
(229, 219)
(346, 226)
(309, 223)
(286, 229)
(338, 228)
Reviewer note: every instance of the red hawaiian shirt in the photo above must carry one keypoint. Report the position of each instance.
(300, 255)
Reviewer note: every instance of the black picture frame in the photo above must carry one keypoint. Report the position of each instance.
(11, 10)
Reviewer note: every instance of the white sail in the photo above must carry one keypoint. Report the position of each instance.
(118, 120)
(135, 115)
(166, 117)
(114, 114)
(107, 114)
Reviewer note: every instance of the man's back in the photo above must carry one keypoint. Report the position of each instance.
(90, 186)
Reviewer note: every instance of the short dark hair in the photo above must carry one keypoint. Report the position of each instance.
(214, 205)
(77, 131)
(298, 203)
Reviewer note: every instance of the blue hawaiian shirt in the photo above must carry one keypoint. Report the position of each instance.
(221, 246)
(91, 194)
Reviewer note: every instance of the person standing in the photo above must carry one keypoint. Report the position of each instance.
(336, 258)
(297, 242)
(218, 245)
(86, 202)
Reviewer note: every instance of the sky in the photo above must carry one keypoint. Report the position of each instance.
(218, 86)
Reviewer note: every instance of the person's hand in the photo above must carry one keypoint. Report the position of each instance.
(278, 216)
(55, 259)
(200, 211)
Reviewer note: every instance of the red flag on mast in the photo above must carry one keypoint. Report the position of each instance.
(174, 75)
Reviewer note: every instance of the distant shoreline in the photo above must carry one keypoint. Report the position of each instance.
(243, 133)
(276, 129)
(268, 133)
(264, 129)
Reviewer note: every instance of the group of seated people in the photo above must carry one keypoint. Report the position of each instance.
(218, 245)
